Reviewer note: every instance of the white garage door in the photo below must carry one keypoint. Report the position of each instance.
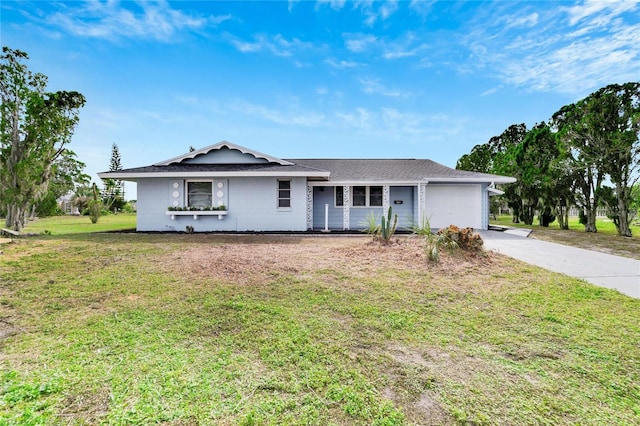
(459, 205)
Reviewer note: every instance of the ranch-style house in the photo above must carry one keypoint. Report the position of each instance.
(227, 187)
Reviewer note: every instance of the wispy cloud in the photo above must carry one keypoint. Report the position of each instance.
(372, 86)
(333, 4)
(405, 127)
(376, 11)
(372, 11)
(570, 50)
(359, 42)
(358, 119)
(277, 116)
(422, 7)
(112, 20)
(604, 11)
(406, 45)
(340, 64)
(275, 44)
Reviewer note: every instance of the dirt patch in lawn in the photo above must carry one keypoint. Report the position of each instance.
(261, 258)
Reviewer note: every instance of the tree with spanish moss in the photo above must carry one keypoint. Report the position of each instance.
(35, 127)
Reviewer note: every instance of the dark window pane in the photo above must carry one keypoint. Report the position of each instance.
(199, 194)
(284, 184)
(284, 202)
(359, 195)
(339, 196)
(375, 196)
(284, 193)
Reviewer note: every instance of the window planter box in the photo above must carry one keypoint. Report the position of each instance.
(220, 213)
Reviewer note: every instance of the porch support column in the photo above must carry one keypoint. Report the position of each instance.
(422, 195)
(385, 199)
(309, 207)
(346, 202)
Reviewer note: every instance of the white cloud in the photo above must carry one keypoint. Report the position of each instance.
(287, 118)
(334, 4)
(376, 10)
(111, 20)
(340, 64)
(422, 7)
(572, 50)
(491, 91)
(604, 10)
(374, 87)
(404, 46)
(523, 21)
(359, 42)
(397, 51)
(359, 119)
(276, 44)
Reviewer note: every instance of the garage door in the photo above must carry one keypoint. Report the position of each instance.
(459, 205)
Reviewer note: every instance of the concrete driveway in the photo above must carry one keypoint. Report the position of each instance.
(605, 270)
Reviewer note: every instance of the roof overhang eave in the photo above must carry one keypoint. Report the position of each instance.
(490, 180)
(187, 175)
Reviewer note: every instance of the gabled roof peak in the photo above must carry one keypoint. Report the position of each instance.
(221, 145)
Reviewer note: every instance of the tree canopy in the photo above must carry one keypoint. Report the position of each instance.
(35, 126)
(566, 160)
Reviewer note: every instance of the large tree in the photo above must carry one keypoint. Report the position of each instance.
(601, 135)
(585, 147)
(613, 115)
(506, 146)
(35, 126)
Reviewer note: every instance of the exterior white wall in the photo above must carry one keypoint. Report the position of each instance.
(252, 206)
(460, 204)
(251, 202)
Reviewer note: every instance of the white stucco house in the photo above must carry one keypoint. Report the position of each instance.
(227, 187)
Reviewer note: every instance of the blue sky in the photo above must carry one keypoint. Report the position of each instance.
(307, 79)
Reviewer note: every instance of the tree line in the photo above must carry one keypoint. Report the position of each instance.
(36, 165)
(570, 160)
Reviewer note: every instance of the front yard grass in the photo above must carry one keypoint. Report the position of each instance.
(211, 329)
(64, 225)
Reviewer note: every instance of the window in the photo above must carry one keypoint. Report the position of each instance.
(359, 196)
(199, 194)
(366, 196)
(375, 196)
(339, 196)
(284, 194)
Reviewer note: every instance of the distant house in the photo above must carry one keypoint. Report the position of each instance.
(226, 187)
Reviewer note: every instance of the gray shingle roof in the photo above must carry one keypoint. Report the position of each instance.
(341, 170)
(219, 168)
(390, 170)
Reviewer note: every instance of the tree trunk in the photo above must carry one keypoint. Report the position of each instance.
(15, 218)
(528, 213)
(623, 212)
(590, 226)
(562, 213)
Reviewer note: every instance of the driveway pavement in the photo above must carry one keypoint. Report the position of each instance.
(605, 270)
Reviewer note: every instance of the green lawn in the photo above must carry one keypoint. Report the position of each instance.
(210, 329)
(604, 225)
(65, 225)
